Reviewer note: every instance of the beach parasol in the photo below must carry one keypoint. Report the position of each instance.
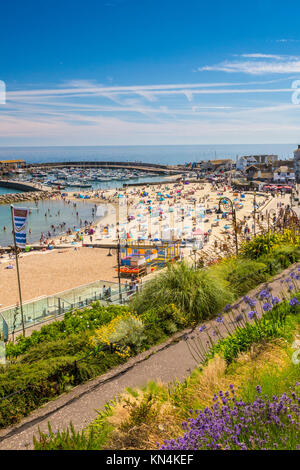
(198, 232)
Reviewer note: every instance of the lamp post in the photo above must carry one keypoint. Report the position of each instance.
(194, 252)
(119, 262)
(254, 204)
(292, 199)
(268, 216)
(223, 200)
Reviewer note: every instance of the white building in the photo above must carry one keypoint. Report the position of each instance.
(245, 161)
(284, 175)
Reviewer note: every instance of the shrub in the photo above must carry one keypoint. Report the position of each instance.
(196, 294)
(286, 255)
(44, 380)
(245, 275)
(69, 439)
(260, 245)
(124, 331)
(165, 312)
(266, 243)
(73, 322)
(74, 345)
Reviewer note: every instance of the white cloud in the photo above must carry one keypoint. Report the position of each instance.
(82, 112)
(273, 64)
(265, 56)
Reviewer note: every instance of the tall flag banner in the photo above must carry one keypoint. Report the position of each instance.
(20, 218)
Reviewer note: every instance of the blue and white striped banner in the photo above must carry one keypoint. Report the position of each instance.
(20, 217)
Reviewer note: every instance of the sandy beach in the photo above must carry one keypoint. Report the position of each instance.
(53, 271)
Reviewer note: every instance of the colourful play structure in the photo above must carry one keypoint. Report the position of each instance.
(140, 258)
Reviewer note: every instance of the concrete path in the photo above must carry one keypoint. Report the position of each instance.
(166, 362)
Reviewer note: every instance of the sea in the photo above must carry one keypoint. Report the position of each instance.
(44, 216)
(161, 154)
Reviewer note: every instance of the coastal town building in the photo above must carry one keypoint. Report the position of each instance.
(12, 164)
(211, 165)
(284, 175)
(248, 160)
(261, 172)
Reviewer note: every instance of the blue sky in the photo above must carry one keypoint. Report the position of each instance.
(144, 72)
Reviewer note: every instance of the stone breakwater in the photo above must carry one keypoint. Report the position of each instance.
(28, 196)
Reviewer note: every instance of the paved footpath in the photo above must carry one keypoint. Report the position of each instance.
(166, 362)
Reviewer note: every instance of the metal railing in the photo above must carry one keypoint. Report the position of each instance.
(50, 307)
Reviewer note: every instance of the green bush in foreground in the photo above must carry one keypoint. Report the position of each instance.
(74, 322)
(69, 440)
(197, 294)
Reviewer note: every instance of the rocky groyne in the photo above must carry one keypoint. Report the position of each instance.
(28, 196)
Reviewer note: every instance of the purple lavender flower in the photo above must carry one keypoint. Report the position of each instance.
(239, 318)
(249, 301)
(252, 314)
(264, 294)
(275, 300)
(267, 307)
(219, 319)
(202, 328)
(294, 301)
(232, 424)
(227, 308)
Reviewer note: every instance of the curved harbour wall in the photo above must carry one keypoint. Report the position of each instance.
(22, 186)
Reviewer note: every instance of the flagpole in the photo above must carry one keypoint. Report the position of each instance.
(18, 272)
